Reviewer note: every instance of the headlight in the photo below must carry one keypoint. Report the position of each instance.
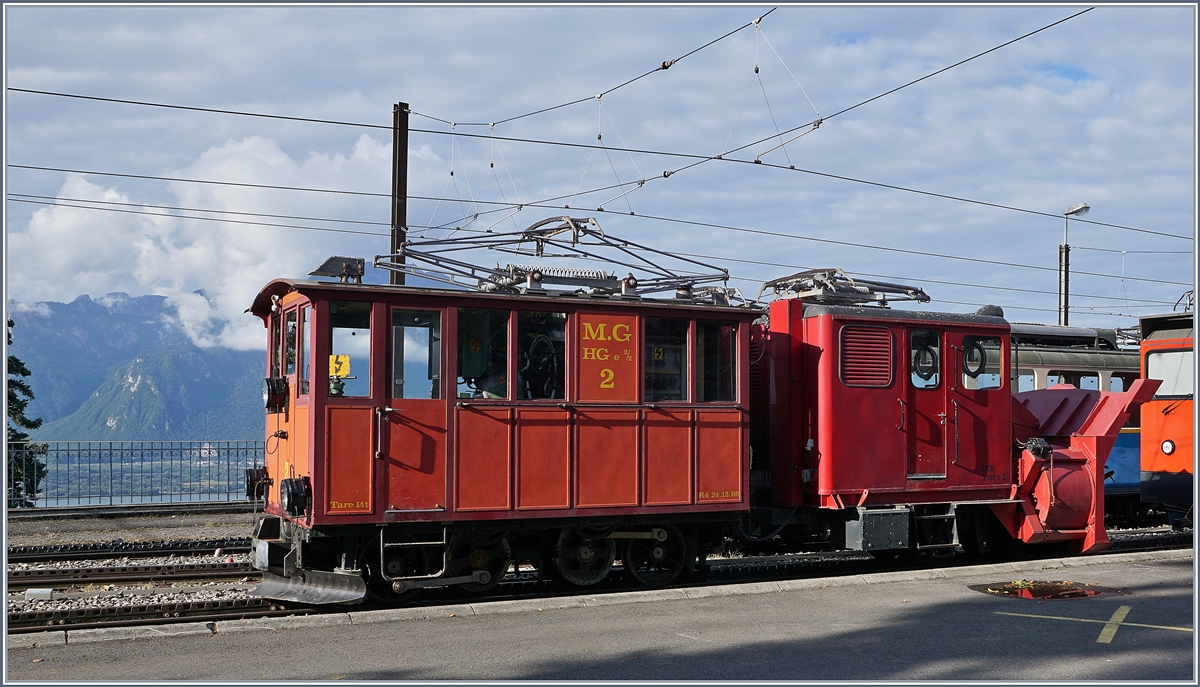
(294, 495)
(1168, 447)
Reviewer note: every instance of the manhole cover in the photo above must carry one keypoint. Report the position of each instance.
(1035, 589)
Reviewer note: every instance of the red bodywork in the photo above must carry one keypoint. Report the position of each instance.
(848, 427)
(1060, 494)
(600, 450)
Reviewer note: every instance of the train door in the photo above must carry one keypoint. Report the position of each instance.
(977, 423)
(926, 403)
(415, 415)
(352, 435)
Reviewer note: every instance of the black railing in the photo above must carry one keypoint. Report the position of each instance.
(75, 473)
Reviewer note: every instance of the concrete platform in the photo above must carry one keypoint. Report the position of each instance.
(924, 625)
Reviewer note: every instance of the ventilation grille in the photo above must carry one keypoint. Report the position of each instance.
(866, 356)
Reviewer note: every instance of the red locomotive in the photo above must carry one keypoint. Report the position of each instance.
(425, 436)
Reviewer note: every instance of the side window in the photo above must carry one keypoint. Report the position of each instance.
(482, 353)
(541, 354)
(1077, 379)
(305, 341)
(981, 362)
(416, 354)
(1121, 381)
(276, 345)
(1025, 381)
(925, 358)
(666, 359)
(716, 368)
(290, 342)
(349, 348)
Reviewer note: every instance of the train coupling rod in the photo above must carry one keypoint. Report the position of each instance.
(657, 533)
(480, 576)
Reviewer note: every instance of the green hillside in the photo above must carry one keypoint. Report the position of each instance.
(171, 392)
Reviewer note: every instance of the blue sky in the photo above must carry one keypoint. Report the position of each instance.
(1099, 109)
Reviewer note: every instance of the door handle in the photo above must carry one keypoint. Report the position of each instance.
(380, 414)
(901, 427)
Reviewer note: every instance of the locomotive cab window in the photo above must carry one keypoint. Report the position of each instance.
(716, 368)
(349, 348)
(276, 347)
(981, 362)
(416, 354)
(302, 355)
(925, 358)
(1175, 370)
(482, 353)
(666, 359)
(541, 354)
(290, 342)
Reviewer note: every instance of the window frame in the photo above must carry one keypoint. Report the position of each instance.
(1146, 367)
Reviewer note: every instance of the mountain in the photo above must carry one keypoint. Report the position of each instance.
(121, 368)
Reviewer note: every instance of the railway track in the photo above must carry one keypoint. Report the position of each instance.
(118, 548)
(41, 577)
(521, 586)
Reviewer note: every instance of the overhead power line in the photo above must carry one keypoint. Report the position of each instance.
(541, 204)
(698, 159)
(667, 64)
(83, 203)
(641, 151)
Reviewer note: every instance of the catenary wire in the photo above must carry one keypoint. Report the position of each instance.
(63, 202)
(700, 159)
(924, 279)
(710, 225)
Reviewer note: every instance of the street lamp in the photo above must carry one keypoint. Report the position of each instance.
(1064, 263)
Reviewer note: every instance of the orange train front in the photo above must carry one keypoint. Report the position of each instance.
(1167, 451)
(421, 436)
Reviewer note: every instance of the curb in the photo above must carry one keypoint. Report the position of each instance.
(62, 637)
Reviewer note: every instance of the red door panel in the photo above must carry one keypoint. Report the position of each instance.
(607, 458)
(415, 458)
(668, 457)
(483, 468)
(349, 460)
(543, 458)
(718, 456)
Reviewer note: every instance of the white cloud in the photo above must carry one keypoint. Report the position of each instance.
(1099, 108)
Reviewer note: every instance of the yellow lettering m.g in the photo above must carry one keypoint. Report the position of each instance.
(594, 334)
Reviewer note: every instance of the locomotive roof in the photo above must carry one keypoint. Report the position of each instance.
(888, 313)
(278, 287)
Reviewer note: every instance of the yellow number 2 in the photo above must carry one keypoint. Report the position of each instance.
(606, 379)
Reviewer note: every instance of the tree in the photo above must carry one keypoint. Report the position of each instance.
(25, 469)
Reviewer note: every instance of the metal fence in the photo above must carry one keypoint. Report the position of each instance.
(75, 473)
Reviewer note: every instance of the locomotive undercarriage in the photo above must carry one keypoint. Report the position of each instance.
(389, 563)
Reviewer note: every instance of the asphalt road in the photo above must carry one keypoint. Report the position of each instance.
(897, 630)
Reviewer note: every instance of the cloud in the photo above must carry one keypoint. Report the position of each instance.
(1097, 109)
(226, 257)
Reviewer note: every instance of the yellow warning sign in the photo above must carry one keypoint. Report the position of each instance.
(339, 365)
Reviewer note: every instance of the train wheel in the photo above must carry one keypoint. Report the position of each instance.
(583, 561)
(468, 554)
(397, 562)
(657, 563)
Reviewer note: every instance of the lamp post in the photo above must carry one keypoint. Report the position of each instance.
(1064, 263)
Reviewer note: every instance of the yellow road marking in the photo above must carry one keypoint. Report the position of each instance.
(1089, 620)
(1110, 628)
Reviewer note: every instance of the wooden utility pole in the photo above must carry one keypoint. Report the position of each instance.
(399, 184)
